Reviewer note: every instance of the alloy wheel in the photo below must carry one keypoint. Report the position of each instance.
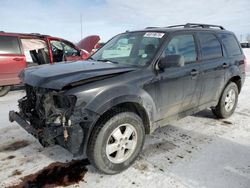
(230, 100)
(121, 143)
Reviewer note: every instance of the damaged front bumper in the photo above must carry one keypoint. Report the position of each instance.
(14, 116)
(52, 119)
(53, 135)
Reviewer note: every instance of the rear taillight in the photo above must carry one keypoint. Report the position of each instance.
(245, 64)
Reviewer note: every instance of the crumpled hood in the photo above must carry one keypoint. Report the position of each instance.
(58, 75)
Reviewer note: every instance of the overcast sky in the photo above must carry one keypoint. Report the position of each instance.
(110, 17)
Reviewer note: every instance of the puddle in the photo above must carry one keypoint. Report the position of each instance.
(156, 148)
(56, 174)
(15, 146)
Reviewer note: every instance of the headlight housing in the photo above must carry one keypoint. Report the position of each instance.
(64, 101)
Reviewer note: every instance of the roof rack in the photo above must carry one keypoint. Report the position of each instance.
(195, 25)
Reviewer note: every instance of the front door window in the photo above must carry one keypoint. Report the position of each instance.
(182, 45)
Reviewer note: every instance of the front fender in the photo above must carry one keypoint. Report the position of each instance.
(111, 97)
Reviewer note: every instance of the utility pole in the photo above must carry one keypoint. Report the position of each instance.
(81, 24)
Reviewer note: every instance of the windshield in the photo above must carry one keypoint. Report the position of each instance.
(130, 49)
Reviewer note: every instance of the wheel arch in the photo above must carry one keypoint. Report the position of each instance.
(237, 80)
(234, 75)
(137, 109)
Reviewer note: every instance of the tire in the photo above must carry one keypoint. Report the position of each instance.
(226, 106)
(112, 159)
(4, 90)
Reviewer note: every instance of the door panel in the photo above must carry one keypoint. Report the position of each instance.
(213, 67)
(213, 74)
(12, 61)
(73, 58)
(180, 87)
(10, 68)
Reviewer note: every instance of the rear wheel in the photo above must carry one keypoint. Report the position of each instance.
(4, 90)
(228, 101)
(116, 143)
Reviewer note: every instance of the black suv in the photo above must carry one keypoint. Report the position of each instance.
(138, 81)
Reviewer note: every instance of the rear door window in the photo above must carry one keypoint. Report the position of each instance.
(210, 46)
(9, 45)
(231, 44)
(35, 51)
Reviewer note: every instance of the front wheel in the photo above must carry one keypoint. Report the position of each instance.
(4, 90)
(116, 143)
(228, 101)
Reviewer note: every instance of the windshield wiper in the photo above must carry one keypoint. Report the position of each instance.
(107, 60)
(103, 60)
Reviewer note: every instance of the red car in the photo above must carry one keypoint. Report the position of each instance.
(18, 51)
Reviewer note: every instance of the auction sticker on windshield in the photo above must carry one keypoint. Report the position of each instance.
(154, 34)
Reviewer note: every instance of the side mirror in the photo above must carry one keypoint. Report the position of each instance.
(171, 61)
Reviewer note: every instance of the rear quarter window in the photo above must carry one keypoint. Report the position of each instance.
(231, 44)
(210, 46)
(9, 45)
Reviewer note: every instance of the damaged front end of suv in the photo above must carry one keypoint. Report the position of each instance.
(54, 109)
(48, 115)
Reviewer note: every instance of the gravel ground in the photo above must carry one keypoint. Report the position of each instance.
(197, 151)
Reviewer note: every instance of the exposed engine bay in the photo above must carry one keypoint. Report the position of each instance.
(49, 112)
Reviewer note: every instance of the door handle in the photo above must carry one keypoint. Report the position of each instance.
(194, 72)
(18, 59)
(225, 65)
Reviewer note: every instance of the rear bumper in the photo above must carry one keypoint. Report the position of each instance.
(53, 135)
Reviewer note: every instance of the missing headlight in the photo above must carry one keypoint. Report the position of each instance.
(64, 101)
